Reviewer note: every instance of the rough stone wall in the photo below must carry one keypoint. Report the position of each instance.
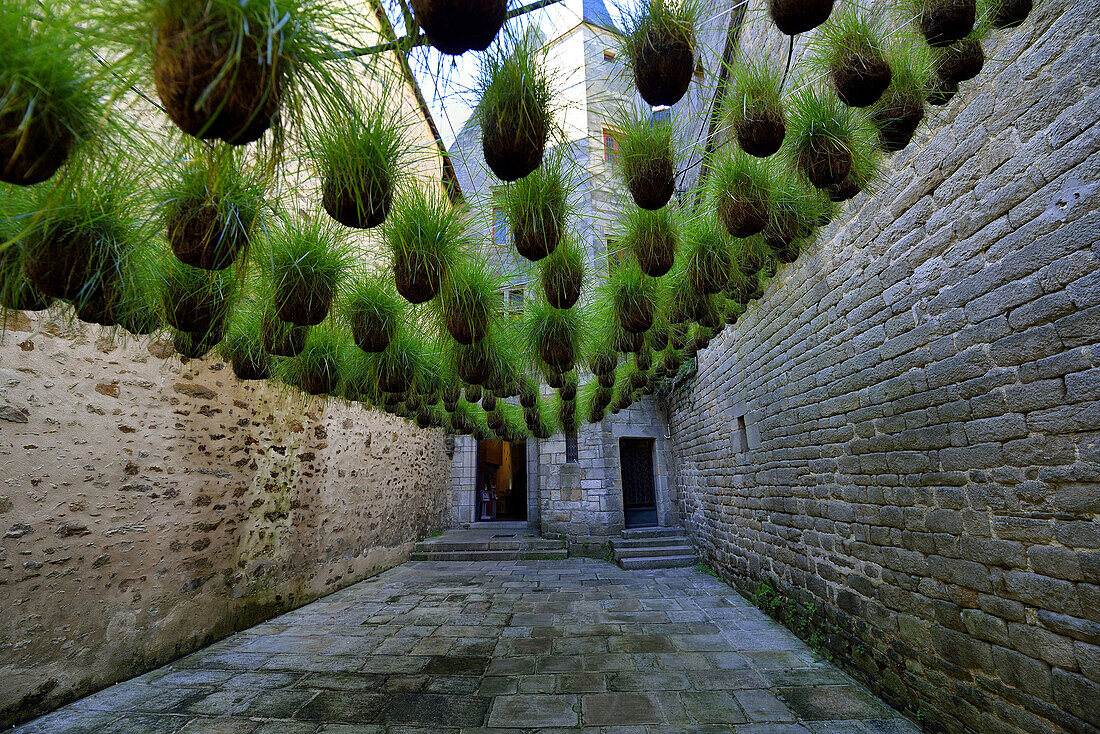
(920, 396)
(149, 508)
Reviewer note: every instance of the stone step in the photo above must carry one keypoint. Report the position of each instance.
(556, 554)
(652, 532)
(671, 540)
(489, 545)
(663, 551)
(640, 564)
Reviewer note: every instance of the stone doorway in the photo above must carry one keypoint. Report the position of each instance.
(639, 496)
(501, 481)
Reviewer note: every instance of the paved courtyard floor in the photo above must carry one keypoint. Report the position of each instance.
(543, 646)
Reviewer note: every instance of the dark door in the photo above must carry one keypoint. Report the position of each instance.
(639, 499)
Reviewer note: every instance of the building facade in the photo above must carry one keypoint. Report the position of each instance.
(620, 473)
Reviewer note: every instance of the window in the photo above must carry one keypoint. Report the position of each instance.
(610, 147)
(500, 226)
(515, 300)
(740, 437)
(571, 453)
(662, 115)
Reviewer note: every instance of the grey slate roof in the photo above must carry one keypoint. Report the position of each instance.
(596, 13)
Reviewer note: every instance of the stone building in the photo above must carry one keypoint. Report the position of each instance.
(574, 486)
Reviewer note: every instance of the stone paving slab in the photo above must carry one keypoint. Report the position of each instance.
(498, 648)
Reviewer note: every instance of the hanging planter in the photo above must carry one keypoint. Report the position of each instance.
(528, 393)
(861, 177)
(358, 375)
(626, 342)
(206, 71)
(659, 40)
(457, 26)
(397, 364)
(210, 207)
(374, 311)
(941, 91)
(945, 21)
(647, 158)
(794, 215)
(195, 346)
(49, 101)
(554, 336)
(473, 363)
(17, 292)
(633, 296)
(562, 275)
(851, 49)
(708, 255)
(604, 362)
(537, 206)
(61, 257)
(470, 300)
(280, 338)
(643, 360)
(488, 401)
(823, 135)
(196, 301)
(316, 370)
(473, 392)
(423, 234)
(654, 239)
(798, 16)
(900, 110)
(1008, 13)
(358, 152)
(671, 361)
(244, 349)
(656, 338)
(741, 188)
(76, 233)
(568, 390)
(308, 262)
(962, 60)
(514, 109)
(754, 108)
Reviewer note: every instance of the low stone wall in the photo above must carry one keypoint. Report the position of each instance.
(904, 432)
(149, 508)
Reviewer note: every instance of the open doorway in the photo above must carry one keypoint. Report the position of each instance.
(501, 481)
(639, 497)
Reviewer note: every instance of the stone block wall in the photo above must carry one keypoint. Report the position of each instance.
(583, 501)
(920, 456)
(149, 508)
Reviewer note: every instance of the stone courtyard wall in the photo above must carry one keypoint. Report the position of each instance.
(148, 508)
(919, 470)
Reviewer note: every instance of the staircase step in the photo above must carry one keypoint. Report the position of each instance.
(652, 532)
(491, 555)
(664, 551)
(489, 545)
(670, 540)
(638, 564)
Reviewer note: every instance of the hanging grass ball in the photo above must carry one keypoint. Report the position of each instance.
(374, 311)
(514, 109)
(798, 16)
(562, 275)
(945, 21)
(457, 26)
(660, 42)
(423, 234)
(754, 107)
